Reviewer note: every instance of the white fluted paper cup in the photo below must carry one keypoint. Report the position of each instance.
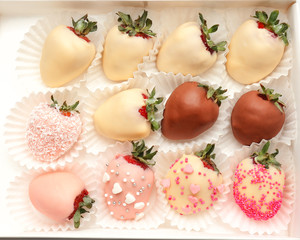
(230, 212)
(93, 141)
(203, 219)
(166, 84)
(30, 51)
(96, 78)
(29, 218)
(155, 212)
(16, 129)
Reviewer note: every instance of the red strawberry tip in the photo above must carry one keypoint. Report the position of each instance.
(64, 109)
(206, 157)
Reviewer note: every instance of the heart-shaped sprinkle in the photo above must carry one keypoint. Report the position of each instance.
(188, 169)
(138, 216)
(139, 205)
(117, 188)
(129, 198)
(186, 210)
(192, 199)
(165, 183)
(194, 188)
(106, 177)
(221, 188)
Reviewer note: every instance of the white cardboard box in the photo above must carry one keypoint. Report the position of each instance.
(15, 19)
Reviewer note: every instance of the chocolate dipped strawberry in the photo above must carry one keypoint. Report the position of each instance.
(257, 115)
(259, 184)
(52, 130)
(189, 49)
(257, 47)
(128, 183)
(193, 182)
(126, 45)
(128, 115)
(191, 109)
(61, 196)
(67, 52)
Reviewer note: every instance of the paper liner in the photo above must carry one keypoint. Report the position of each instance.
(234, 18)
(96, 78)
(288, 132)
(230, 212)
(30, 51)
(172, 18)
(29, 218)
(203, 219)
(16, 125)
(166, 85)
(154, 214)
(96, 143)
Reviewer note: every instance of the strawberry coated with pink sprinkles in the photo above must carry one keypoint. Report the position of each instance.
(50, 134)
(261, 209)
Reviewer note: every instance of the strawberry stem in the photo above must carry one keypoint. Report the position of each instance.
(266, 159)
(273, 97)
(272, 24)
(87, 202)
(142, 153)
(83, 26)
(64, 107)
(221, 46)
(207, 156)
(151, 109)
(139, 27)
(215, 95)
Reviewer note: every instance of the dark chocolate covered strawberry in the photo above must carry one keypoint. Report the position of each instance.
(257, 115)
(191, 109)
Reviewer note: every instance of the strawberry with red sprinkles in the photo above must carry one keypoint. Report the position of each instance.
(259, 184)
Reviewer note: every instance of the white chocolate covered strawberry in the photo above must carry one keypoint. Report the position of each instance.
(126, 45)
(189, 49)
(52, 130)
(256, 48)
(127, 115)
(128, 183)
(259, 184)
(60, 196)
(193, 183)
(67, 52)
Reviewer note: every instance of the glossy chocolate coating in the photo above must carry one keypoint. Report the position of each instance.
(255, 118)
(188, 112)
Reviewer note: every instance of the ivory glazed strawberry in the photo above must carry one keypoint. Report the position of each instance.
(191, 109)
(257, 47)
(193, 182)
(126, 45)
(61, 196)
(52, 130)
(189, 49)
(67, 52)
(128, 115)
(128, 183)
(259, 184)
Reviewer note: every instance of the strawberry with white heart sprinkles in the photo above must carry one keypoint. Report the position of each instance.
(52, 130)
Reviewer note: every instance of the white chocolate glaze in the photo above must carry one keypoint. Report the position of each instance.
(123, 53)
(119, 118)
(65, 56)
(184, 52)
(253, 53)
(190, 187)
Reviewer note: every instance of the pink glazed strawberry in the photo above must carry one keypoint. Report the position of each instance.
(128, 183)
(52, 130)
